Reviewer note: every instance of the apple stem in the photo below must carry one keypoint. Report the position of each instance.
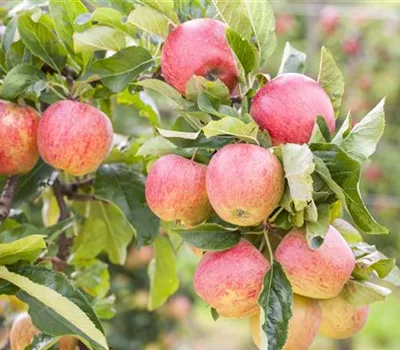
(270, 253)
(7, 197)
(194, 154)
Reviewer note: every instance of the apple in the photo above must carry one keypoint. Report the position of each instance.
(74, 137)
(341, 319)
(319, 273)
(284, 23)
(178, 307)
(351, 47)
(303, 326)
(139, 258)
(176, 190)
(23, 331)
(288, 106)
(373, 172)
(329, 19)
(198, 47)
(230, 281)
(244, 183)
(18, 138)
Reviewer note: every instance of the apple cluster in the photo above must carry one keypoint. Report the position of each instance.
(243, 184)
(70, 136)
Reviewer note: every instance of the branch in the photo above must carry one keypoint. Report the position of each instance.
(7, 197)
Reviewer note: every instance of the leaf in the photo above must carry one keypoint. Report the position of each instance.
(93, 277)
(202, 142)
(105, 229)
(178, 134)
(212, 105)
(157, 146)
(165, 90)
(9, 34)
(162, 272)
(263, 23)
(235, 16)
(298, 165)
(166, 7)
(363, 293)
(99, 38)
(149, 20)
(19, 79)
(214, 314)
(198, 84)
(331, 79)
(243, 49)
(14, 233)
(25, 249)
(361, 142)
(109, 17)
(42, 42)
(50, 296)
(117, 71)
(343, 131)
(393, 277)
(345, 176)
(210, 237)
(293, 60)
(275, 301)
(348, 231)
(317, 230)
(126, 188)
(232, 126)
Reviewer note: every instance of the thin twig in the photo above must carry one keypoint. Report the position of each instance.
(7, 197)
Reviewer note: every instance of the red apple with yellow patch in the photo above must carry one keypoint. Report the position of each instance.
(231, 281)
(74, 137)
(18, 138)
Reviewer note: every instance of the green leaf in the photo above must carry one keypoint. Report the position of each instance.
(117, 71)
(298, 164)
(163, 274)
(234, 127)
(93, 277)
(348, 231)
(343, 131)
(165, 90)
(293, 60)
(157, 146)
(198, 84)
(42, 342)
(212, 105)
(109, 17)
(50, 296)
(14, 233)
(150, 21)
(393, 277)
(126, 188)
(345, 176)
(331, 79)
(243, 49)
(235, 16)
(275, 301)
(10, 34)
(363, 293)
(178, 134)
(166, 7)
(25, 249)
(202, 142)
(99, 38)
(42, 42)
(361, 142)
(105, 308)
(214, 314)
(105, 229)
(263, 23)
(210, 236)
(19, 79)
(317, 230)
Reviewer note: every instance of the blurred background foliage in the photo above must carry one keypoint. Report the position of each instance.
(363, 37)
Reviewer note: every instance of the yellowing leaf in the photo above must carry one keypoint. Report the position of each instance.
(25, 249)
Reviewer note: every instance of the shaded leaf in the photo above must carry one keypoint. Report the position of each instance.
(243, 49)
(99, 38)
(293, 60)
(363, 293)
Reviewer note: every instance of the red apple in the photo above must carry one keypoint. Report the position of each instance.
(284, 23)
(74, 137)
(351, 47)
(244, 183)
(319, 273)
(329, 19)
(176, 190)
(231, 281)
(18, 138)
(287, 108)
(340, 319)
(198, 47)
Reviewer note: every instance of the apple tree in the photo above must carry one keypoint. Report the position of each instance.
(159, 123)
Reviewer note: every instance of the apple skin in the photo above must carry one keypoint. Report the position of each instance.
(176, 190)
(319, 273)
(340, 320)
(303, 326)
(287, 108)
(74, 137)
(18, 138)
(231, 281)
(198, 47)
(244, 183)
(23, 331)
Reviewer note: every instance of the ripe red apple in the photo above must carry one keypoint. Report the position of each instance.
(373, 172)
(284, 23)
(340, 319)
(351, 47)
(303, 326)
(231, 281)
(18, 138)
(198, 47)
(244, 183)
(74, 137)
(287, 108)
(139, 258)
(320, 273)
(176, 190)
(329, 19)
